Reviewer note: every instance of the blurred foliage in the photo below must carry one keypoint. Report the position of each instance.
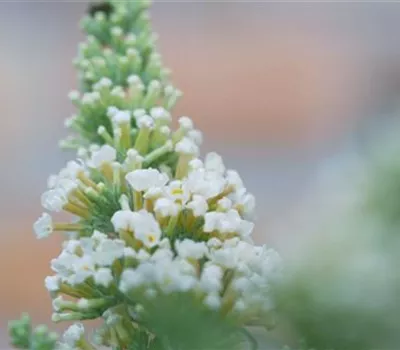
(344, 292)
(23, 336)
(327, 317)
(382, 191)
(181, 323)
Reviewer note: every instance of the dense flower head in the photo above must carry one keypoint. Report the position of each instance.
(182, 196)
(231, 276)
(155, 222)
(150, 217)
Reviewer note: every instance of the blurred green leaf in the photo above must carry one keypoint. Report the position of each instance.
(181, 323)
(23, 336)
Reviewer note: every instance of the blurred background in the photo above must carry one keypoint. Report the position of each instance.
(283, 91)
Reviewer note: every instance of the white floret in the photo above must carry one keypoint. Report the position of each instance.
(106, 154)
(103, 277)
(43, 226)
(144, 179)
(73, 334)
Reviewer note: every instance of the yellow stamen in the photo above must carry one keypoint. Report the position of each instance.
(177, 191)
(148, 204)
(190, 220)
(116, 175)
(107, 171)
(73, 209)
(183, 166)
(142, 141)
(73, 292)
(117, 268)
(125, 135)
(127, 237)
(66, 227)
(80, 195)
(172, 224)
(213, 201)
(138, 200)
(85, 180)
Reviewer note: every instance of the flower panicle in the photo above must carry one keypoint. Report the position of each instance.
(150, 221)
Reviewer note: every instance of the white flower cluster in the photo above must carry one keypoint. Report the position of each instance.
(208, 194)
(206, 189)
(181, 266)
(80, 258)
(202, 267)
(150, 217)
(182, 227)
(72, 337)
(154, 141)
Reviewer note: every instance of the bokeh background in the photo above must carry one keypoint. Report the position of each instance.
(282, 90)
